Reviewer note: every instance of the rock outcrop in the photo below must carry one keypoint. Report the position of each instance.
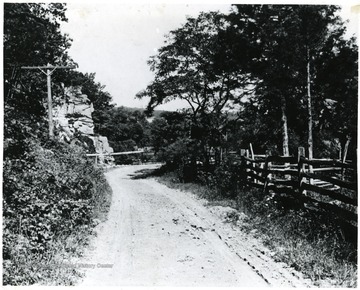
(102, 147)
(73, 119)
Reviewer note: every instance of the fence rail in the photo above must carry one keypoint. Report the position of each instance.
(326, 184)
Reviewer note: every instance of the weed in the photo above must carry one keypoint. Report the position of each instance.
(51, 198)
(310, 242)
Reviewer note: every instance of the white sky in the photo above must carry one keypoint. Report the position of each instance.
(115, 40)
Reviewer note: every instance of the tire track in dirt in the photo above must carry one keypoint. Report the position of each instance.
(247, 248)
(157, 236)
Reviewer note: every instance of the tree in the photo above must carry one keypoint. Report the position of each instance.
(191, 67)
(31, 37)
(125, 129)
(336, 85)
(317, 24)
(268, 63)
(289, 41)
(168, 128)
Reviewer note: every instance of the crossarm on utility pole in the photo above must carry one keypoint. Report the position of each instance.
(46, 67)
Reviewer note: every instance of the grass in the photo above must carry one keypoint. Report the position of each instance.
(309, 242)
(46, 269)
(55, 267)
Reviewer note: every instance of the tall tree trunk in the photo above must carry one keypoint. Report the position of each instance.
(284, 127)
(310, 120)
(12, 83)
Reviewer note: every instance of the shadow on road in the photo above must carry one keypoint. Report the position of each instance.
(147, 173)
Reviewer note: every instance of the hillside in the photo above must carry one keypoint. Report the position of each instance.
(156, 113)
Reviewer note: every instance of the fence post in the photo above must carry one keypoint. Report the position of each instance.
(253, 164)
(344, 160)
(252, 151)
(310, 167)
(266, 171)
(247, 154)
(301, 167)
(344, 157)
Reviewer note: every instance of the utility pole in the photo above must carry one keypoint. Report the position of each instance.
(48, 71)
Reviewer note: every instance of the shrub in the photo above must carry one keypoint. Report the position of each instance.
(176, 154)
(226, 178)
(309, 241)
(49, 194)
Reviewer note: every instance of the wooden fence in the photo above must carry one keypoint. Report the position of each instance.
(319, 183)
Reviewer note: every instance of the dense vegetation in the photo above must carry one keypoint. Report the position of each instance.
(307, 241)
(278, 77)
(52, 199)
(52, 195)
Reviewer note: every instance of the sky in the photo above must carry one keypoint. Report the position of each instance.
(115, 40)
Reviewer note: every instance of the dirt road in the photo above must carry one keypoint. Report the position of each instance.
(157, 236)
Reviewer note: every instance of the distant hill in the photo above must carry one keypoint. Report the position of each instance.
(156, 113)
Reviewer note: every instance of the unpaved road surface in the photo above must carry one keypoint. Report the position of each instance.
(157, 236)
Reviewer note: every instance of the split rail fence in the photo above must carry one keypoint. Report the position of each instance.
(319, 183)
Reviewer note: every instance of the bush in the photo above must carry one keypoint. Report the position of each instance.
(309, 241)
(226, 178)
(176, 154)
(49, 194)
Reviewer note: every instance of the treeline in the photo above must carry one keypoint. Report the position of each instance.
(130, 129)
(52, 195)
(276, 76)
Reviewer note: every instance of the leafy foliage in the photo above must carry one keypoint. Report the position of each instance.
(31, 37)
(308, 242)
(51, 192)
(126, 130)
(245, 74)
(48, 194)
(167, 129)
(190, 67)
(226, 178)
(288, 38)
(270, 75)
